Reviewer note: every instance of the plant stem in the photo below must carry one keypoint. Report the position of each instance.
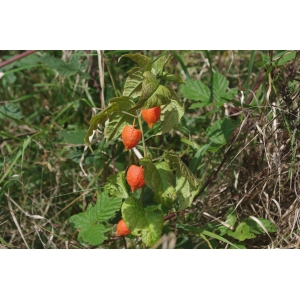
(143, 139)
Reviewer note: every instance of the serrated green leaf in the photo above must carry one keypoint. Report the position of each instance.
(143, 61)
(84, 219)
(147, 223)
(161, 180)
(153, 94)
(231, 216)
(75, 137)
(60, 66)
(116, 185)
(106, 206)
(133, 83)
(92, 234)
(175, 162)
(99, 119)
(118, 119)
(196, 90)
(220, 132)
(220, 84)
(171, 113)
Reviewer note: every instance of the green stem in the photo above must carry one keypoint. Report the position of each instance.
(143, 140)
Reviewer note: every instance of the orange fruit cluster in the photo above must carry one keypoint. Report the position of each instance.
(151, 115)
(130, 136)
(135, 177)
(122, 228)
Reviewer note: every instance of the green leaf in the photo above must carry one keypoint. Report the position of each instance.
(161, 180)
(143, 61)
(133, 83)
(118, 119)
(10, 110)
(242, 232)
(74, 137)
(65, 69)
(185, 192)
(176, 163)
(92, 234)
(220, 132)
(257, 229)
(171, 113)
(84, 219)
(201, 230)
(116, 185)
(99, 119)
(153, 94)
(160, 63)
(5, 243)
(147, 223)
(231, 216)
(171, 77)
(219, 86)
(197, 90)
(106, 206)
(196, 160)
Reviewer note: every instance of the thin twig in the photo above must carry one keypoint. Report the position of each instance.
(15, 219)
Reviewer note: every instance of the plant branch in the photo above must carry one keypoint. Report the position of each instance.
(16, 57)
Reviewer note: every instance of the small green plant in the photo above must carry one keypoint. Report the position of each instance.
(231, 232)
(166, 179)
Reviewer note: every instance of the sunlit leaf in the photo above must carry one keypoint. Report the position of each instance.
(143, 61)
(147, 223)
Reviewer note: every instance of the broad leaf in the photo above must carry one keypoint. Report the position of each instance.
(118, 119)
(84, 219)
(106, 206)
(159, 64)
(161, 180)
(242, 232)
(116, 185)
(196, 90)
(147, 223)
(92, 234)
(257, 229)
(185, 193)
(220, 86)
(176, 163)
(220, 132)
(153, 94)
(133, 83)
(65, 69)
(143, 61)
(99, 119)
(171, 113)
(73, 137)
